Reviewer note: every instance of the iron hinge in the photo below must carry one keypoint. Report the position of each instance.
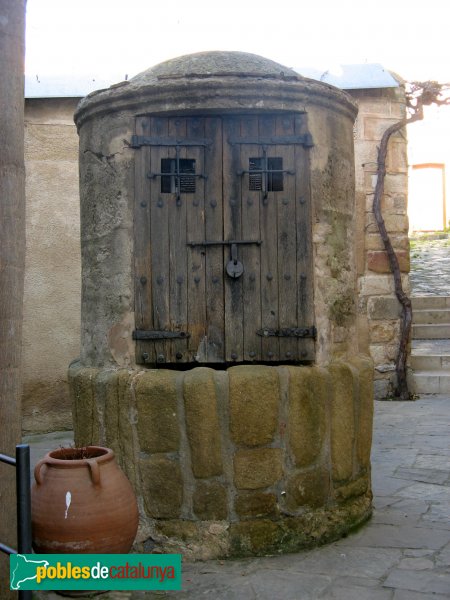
(225, 243)
(264, 171)
(137, 141)
(146, 334)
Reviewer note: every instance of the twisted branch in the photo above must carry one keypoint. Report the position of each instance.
(418, 95)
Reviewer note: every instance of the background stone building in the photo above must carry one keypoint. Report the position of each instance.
(51, 329)
(52, 280)
(378, 307)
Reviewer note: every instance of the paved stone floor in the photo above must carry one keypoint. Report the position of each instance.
(403, 553)
(430, 267)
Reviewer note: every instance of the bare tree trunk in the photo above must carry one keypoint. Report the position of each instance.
(12, 259)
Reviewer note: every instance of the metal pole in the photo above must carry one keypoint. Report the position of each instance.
(23, 507)
(6, 549)
(23, 499)
(9, 460)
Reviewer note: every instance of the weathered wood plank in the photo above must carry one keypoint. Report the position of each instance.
(214, 272)
(270, 347)
(250, 255)
(142, 250)
(159, 232)
(196, 301)
(287, 253)
(234, 301)
(178, 278)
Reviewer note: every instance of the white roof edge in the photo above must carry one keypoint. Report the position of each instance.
(353, 77)
(345, 77)
(53, 86)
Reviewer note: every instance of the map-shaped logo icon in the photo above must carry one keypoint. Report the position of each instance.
(25, 570)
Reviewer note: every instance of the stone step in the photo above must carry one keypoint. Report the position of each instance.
(431, 362)
(433, 347)
(431, 332)
(431, 382)
(422, 302)
(431, 315)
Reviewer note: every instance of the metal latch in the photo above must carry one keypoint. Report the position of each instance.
(146, 334)
(137, 141)
(234, 266)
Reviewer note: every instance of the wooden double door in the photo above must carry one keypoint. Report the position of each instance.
(223, 264)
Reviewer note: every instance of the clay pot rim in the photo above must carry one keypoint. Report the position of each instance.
(98, 454)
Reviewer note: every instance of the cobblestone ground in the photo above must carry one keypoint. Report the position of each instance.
(430, 267)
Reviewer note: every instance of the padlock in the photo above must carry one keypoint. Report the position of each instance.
(234, 267)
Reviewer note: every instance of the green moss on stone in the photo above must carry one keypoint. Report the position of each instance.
(162, 486)
(310, 488)
(342, 421)
(308, 398)
(187, 531)
(256, 504)
(364, 372)
(202, 422)
(257, 468)
(210, 501)
(254, 400)
(353, 489)
(156, 403)
(342, 309)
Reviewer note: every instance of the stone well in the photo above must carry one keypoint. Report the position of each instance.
(218, 354)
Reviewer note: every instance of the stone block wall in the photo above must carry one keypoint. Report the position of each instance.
(378, 307)
(249, 460)
(51, 327)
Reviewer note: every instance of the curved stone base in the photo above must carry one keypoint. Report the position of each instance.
(248, 461)
(259, 536)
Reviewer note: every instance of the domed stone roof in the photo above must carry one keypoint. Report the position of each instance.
(215, 64)
(215, 81)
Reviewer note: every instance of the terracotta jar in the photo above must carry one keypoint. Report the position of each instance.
(81, 502)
